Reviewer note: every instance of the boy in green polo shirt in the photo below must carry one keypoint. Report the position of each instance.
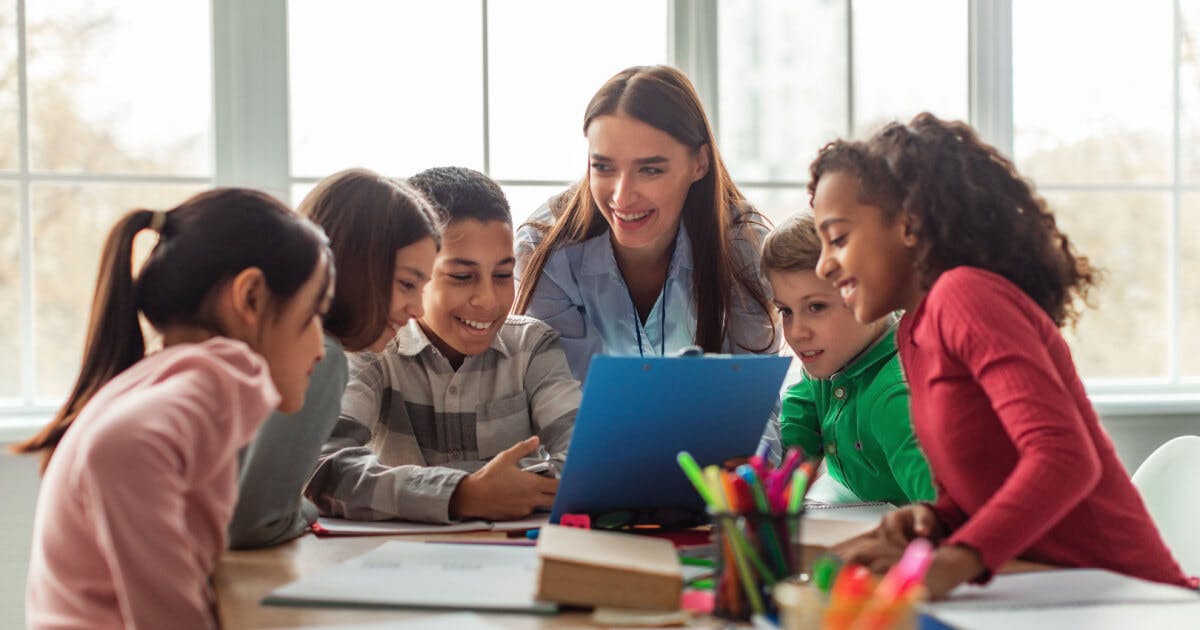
(852, 405)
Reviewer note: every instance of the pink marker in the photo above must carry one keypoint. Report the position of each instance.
(759, 464)
(777, 480)
(791, 461)
(909, 572)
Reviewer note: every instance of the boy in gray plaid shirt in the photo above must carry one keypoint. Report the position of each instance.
(438, 425)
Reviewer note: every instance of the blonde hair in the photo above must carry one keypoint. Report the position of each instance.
(793, 246)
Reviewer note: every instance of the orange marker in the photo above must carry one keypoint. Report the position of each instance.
(850, 593)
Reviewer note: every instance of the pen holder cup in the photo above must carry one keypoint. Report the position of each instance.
(802, 606)
(754, 551)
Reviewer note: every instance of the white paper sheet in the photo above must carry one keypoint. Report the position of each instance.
(425, 575)
(1068, 598)
(1122, 617)
(457, 621)
(1063, 587)
(343, 527)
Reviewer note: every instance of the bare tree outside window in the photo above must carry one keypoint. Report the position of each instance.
(114, 89)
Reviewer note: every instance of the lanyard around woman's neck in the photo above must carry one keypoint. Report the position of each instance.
(662, 315)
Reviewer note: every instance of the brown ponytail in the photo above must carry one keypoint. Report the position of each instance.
(204, 241)
(114, 337)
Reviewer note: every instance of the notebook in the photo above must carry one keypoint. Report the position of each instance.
(342, 527)
(402, 574)
(825, 525)
(449, 621)
(638, 413)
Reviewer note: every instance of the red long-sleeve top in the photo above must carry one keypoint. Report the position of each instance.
(1019, 459)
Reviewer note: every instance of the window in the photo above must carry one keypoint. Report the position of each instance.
(1101, 126)
(393, 86)
(405, 89)
(1188, 185)
(107, 105)
(795, 75)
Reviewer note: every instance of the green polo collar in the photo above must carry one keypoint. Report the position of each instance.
(880, 350)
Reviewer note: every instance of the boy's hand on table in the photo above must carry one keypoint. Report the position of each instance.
(501, 490)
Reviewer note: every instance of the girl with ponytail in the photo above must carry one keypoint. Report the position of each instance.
(140, 464)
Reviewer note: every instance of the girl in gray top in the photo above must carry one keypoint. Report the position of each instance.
(384, 237)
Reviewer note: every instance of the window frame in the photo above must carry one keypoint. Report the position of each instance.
(251, 148)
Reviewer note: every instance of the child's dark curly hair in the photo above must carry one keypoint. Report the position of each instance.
(969, 207)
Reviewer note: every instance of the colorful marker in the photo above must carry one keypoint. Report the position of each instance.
(692, 470)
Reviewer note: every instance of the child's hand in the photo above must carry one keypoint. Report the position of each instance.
(883, 546)
(952, 565)
(901, 526)
(872, 550)
(501, 490)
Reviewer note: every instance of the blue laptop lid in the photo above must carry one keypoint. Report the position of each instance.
(637, 413)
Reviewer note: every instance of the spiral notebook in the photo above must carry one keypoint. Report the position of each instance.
(342, 527)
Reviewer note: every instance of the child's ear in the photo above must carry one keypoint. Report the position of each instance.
(703, 161)
(248, 297)
(909, 223)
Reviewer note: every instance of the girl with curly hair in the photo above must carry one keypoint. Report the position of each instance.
(927, 218)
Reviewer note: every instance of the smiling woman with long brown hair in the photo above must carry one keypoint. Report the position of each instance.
(655, 249)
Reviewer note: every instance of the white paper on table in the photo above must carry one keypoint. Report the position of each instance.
(344, 527)
(1106, 617)
(456, 621)
(1063, 587)
(425, 575)
(1068, 598)
(830, 525)
(533, 522)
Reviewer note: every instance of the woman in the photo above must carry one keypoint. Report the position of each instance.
(655, 249)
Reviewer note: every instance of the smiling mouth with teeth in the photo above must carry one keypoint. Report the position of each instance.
(476, 325)
(631, 217)
(846, 288)
(810, 354)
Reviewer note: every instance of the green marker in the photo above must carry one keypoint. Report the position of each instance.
(692, 470)
(712, 479)
(799, 487)
(825, 570)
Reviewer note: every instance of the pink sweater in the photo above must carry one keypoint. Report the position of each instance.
(133, 510)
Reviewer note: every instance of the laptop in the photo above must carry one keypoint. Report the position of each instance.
(636, 415)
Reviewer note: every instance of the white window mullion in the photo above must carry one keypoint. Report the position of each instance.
(25, 222)
(487, 115)
(990, 71)
(850, 67)
(692, 47)
(1174, 301)
(250, 95)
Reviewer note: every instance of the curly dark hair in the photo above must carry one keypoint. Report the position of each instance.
(970, 207)
(461, 193)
